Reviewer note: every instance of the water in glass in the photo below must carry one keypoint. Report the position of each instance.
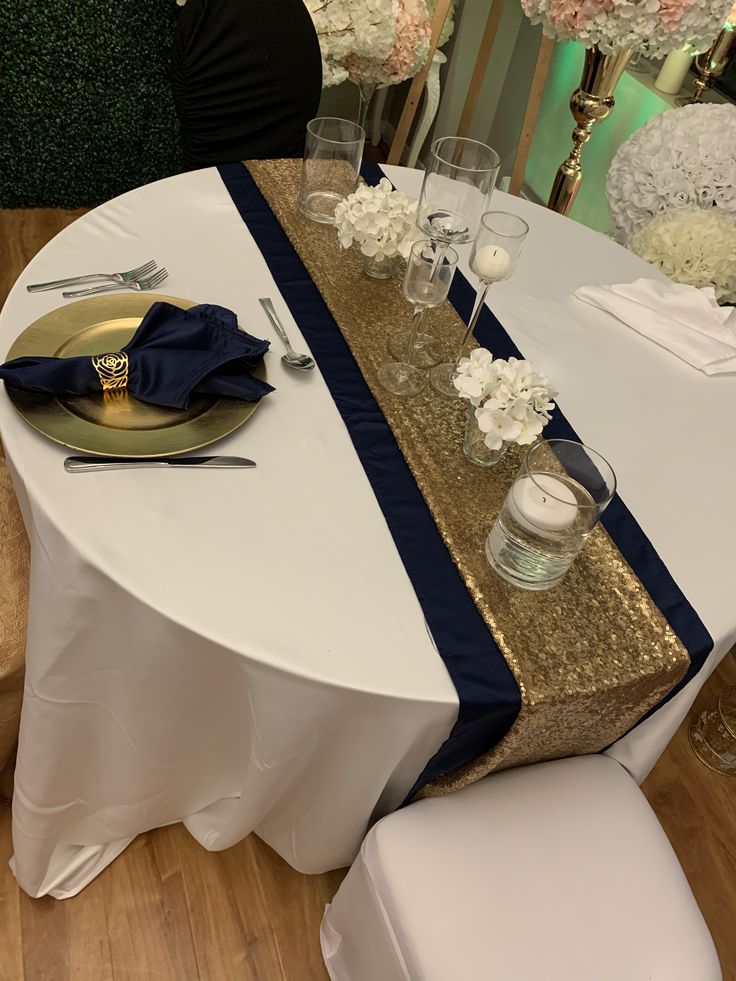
(535, 557)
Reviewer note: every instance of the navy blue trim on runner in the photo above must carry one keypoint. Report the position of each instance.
(487, 692)
(618, 521)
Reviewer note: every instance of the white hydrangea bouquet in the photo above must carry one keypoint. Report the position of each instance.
(512, 400)
(381, 220)
(682, 159)
(695, 247)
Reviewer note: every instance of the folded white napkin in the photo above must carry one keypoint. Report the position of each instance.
(685, 320)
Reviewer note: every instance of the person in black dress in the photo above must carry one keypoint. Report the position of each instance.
(246, 77)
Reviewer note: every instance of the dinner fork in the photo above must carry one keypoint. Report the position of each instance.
(138, 284)
(122, 277)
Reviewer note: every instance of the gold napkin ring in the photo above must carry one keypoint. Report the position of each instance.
(112, 370)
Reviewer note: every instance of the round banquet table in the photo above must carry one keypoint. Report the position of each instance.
(243, 650)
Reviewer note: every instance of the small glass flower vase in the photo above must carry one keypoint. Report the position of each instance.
(383, 268)
(474, 446)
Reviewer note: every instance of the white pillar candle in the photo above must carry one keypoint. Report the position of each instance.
(673, 71)
(491, 262)
(542, 503)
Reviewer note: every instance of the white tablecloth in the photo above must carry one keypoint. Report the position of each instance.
(243, 650)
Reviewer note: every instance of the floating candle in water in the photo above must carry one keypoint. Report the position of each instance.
(543, 503)
(491, 262)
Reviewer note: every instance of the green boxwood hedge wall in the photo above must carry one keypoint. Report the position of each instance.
(85, 103)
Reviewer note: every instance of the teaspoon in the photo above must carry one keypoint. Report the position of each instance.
(300, 362)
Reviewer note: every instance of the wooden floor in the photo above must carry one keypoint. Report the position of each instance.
(167, 910)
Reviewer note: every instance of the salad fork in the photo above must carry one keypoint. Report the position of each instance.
(120, 277)
(151, 282)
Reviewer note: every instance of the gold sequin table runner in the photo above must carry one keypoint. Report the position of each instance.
(591, 656)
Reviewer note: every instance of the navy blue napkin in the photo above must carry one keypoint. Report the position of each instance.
(173, 354)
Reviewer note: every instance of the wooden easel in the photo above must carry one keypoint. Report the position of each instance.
(417, 86)
(483, 57)
(481, 65)
(544, 57)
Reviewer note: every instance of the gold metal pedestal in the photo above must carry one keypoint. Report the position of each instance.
(713, 63)
(589, 103)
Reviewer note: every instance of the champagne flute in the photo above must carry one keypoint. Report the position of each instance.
(495, 253)
(427, 351)
(426, 284)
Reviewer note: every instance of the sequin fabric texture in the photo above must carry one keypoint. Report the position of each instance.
(590, 656)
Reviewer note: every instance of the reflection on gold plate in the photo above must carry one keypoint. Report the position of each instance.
(115, 423)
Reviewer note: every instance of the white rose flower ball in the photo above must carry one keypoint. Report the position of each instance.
(694, 247)
(682, 159)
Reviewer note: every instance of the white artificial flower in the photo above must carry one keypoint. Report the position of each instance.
(682, 159)
(411, 30)
(660, 25)
(531, 423)
(694, 247)
(512, 400)
(358, 28)
(448, 27)
(498, 427)
(382, 221)
(476, 375)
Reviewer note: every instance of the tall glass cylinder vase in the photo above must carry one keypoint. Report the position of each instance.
(458, 182)
(331, 168)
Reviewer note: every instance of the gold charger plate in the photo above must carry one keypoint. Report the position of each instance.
(116, 423)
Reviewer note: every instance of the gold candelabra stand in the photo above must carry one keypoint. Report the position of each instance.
(713, 63)
(589, 103)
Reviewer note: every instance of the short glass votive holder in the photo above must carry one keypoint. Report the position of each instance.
(557, 497)
(333, 153)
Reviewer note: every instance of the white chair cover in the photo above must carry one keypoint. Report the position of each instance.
(553, 872)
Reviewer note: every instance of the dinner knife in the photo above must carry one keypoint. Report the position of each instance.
(89, 464)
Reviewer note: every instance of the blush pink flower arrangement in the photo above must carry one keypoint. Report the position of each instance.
(671, 12)
(661, 25)
(570, 14)
(408, 54)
